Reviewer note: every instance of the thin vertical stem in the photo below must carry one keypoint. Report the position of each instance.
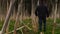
(53, 32)
(17, 17)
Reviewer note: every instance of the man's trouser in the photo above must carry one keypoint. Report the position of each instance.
(42, 20)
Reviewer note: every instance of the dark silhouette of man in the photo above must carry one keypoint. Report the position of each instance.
(42, 13)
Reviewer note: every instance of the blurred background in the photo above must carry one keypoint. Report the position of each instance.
(26, 16)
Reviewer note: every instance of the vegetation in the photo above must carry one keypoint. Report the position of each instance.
(28, 21)
(21, 9)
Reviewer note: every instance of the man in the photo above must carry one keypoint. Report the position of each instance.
(42, 13)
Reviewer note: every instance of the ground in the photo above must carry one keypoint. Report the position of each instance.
(49, 26)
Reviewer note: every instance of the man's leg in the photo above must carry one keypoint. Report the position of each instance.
(44, 21)
(40, 24)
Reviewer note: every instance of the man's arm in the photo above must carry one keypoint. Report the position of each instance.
(47, 12)
(36, 11)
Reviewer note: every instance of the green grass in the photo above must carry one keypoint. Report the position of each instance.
(1, 24)
(11, 25)
(28, 22)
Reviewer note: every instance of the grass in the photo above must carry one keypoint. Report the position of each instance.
(28, 22)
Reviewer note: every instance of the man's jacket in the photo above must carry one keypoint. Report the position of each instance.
(42, 11)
